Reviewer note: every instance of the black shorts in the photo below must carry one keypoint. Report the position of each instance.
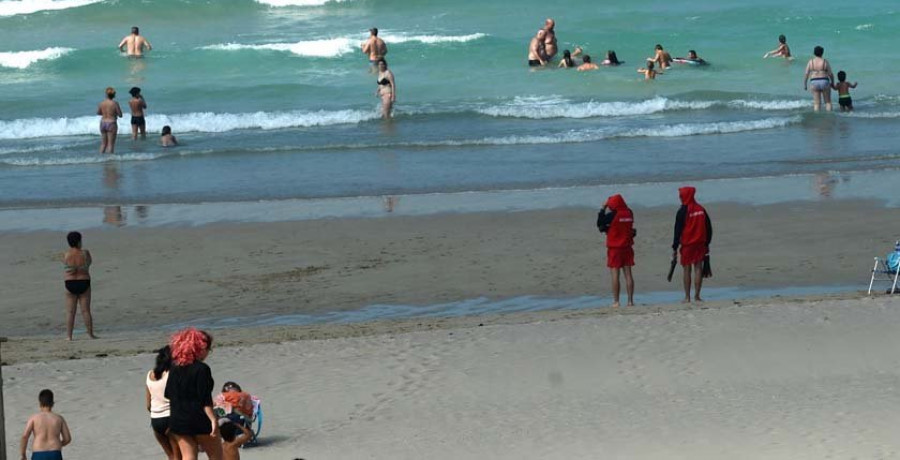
(160, 425)
(138, 121)
(78, 287)
(845, 102)
(534, 63)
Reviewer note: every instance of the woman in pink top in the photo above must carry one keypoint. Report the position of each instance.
(158, 405)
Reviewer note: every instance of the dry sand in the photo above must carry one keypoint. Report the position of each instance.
(808, 380)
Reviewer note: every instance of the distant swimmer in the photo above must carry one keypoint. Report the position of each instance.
(374, 47)
(567, 61)
(611, 59)
(537, 56)
(586, 64)
(387, 89)
(133, 45)
(819, 78)
(138, 105)
(649, 72)
(550, 47)
(843, 89)
(691, 59)
(662, 58)
(109, 112)
(166, 139)
(783, 50)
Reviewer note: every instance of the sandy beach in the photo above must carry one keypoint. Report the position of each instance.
(775, 380)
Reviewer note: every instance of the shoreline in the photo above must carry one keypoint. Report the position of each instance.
(147, 279)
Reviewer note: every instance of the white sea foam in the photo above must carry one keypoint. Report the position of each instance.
(284, 3)
(554, 107)
(16, 7)
(77, 160)
(23, 59)
(208, 122)
(865, 27)
(874, 115)
(334, 47)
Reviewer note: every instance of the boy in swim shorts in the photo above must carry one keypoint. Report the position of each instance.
(51, 433)
(843, 89)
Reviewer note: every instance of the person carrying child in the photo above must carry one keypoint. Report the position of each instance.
(51, 433)
(843, 89)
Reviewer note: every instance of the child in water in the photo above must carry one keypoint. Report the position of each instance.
(166, 138)
(649, 73)
(843, 89)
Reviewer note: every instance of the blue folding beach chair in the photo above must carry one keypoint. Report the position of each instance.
(887, 269)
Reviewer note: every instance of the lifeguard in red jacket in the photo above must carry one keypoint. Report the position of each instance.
(618, 224)
(693, 233)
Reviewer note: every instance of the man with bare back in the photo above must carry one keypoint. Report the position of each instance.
(134, 44)
(50, 432)
(537, 56)
(374, 47)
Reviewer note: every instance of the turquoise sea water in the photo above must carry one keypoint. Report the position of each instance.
(272, 99)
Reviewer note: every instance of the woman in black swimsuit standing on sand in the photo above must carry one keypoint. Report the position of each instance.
(77, 276)
(189, 391)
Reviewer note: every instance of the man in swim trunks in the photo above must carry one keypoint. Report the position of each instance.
(375, 48)
(693, 233)
(550, 48)
(537, 57)
(134, 44)
(138, 105)
(51, 433)
(662, 58)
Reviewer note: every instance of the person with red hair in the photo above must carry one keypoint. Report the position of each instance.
(693, 233)
(618, 224)
(189, 391)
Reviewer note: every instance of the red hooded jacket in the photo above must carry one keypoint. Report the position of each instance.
(620, 231)
(692, 224)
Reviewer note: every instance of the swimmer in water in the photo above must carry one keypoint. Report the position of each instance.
(692, 58)
(783, 49)
(550, 47)
(567, 61)
(611, 59)
(586, 64)
(537, 57)
(166, 139)
(109, 112)
(649, 72)
(133, 45)
(137, 105)
(662, 58)
(375, 48)
(843, 89)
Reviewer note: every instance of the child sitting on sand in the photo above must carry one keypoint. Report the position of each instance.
(51, 433)
(166, 138)
(649, 73)
(843, 89)
(231, 441)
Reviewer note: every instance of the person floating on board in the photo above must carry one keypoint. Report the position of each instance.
(618, 224)
(693, 233)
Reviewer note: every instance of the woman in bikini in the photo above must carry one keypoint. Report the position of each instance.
(109, 112)
(818, 79)
(387, 89)
(77, 278)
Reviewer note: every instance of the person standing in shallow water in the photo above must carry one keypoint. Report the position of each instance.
(77, 276)
(375, 48)
(387, 89)
(134, 44)
(819, 79)
(550, 47)
(693, 233)
(618, 224)
(110, 112)
(137, 105)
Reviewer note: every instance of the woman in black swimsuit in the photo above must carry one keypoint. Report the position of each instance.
(387, 90)
(77, 276)
(189, 391)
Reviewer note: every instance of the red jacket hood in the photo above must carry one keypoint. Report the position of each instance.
(687, 195)
(616, 202)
